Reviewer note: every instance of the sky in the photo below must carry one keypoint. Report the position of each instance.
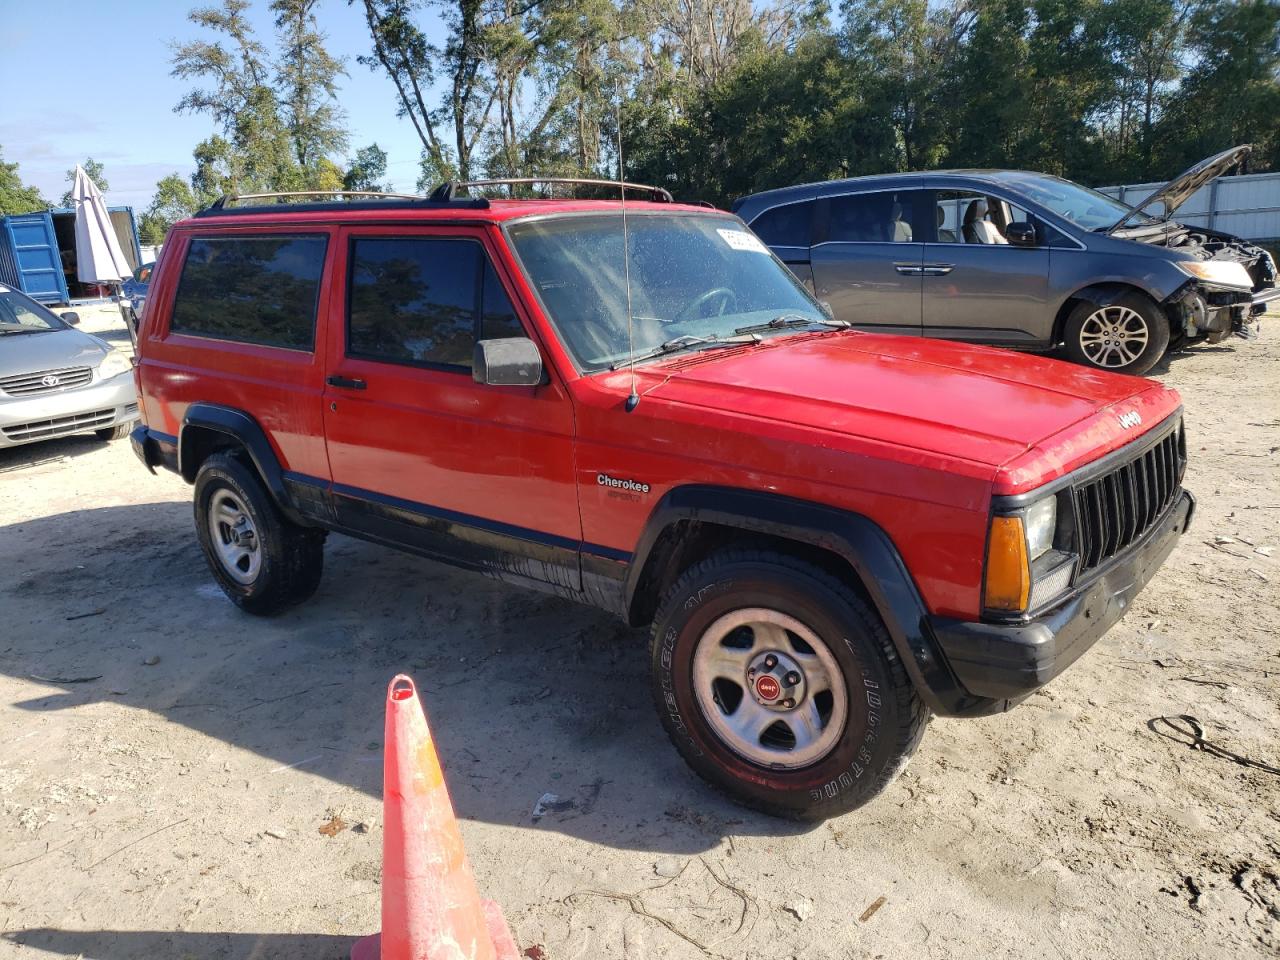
(88, 78)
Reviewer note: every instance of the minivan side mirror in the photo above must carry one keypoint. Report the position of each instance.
(70, 317)
(1021, 234)
(510, 362)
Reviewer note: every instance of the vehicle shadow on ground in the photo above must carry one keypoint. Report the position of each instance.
(16, 459)
(527, 694)
(1187, 353)
(151, 944)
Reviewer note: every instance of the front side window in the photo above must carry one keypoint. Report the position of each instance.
(424, 301)
(692, 275)
(261, 290)
(871, 218)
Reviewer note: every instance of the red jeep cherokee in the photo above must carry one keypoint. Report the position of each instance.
(832, 533)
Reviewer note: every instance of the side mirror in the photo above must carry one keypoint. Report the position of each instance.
(1021, 234)
(71, 317)
(511, 362)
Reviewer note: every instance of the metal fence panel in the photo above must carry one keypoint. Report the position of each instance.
(1247, 206)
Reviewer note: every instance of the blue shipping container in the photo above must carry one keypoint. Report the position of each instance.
(37, 251)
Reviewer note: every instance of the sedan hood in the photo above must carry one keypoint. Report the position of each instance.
(52, 350)
(1178, 190)
(978, 404)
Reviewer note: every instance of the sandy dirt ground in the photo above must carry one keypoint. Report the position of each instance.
(172, 805)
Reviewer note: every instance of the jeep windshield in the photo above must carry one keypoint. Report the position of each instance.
(1087, 209)
(696, 282)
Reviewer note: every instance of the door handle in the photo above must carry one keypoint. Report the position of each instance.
(348, 383)
(937, 269)
(909, 269)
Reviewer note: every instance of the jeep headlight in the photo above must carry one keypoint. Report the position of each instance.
(1041, 521)
(1024, 571)
(113, 364)
(1221, 273)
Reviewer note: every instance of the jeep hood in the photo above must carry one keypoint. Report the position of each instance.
(1024, 416)
(1178, 190)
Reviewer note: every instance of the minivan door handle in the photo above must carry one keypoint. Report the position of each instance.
(348, 383)
(937, 269)
(909, 269)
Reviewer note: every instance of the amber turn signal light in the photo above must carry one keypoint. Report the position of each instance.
(1008, 573)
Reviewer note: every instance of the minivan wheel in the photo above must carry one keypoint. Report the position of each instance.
(263, 562)
(780, 687)
(1128, 335)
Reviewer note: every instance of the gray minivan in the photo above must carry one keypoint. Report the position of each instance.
(1019, 259)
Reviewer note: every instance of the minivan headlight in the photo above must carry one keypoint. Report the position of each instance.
(113, 364)
(1219, 272)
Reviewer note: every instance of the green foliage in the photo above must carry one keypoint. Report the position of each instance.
(94, 169)
(15, 196)
(173, 200)
(367, 170)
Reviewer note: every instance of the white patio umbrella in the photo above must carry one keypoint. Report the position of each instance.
(99, 258)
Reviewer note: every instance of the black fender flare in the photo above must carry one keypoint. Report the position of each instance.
(248, 434)
(859, 541)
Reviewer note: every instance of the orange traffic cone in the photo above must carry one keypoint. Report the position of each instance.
(430, 907)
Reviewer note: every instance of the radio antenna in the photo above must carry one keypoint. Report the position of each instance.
(633, 399)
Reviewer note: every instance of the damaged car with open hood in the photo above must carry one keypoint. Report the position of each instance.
(1022, 260)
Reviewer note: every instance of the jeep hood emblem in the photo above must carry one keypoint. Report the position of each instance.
(1131, 419)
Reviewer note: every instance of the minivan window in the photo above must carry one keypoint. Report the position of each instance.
(259, 290)
(883, 217)
(784, 226)
(424, 301)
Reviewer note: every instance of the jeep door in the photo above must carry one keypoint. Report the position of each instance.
(866, 259)
(978, 286)
(421, 455)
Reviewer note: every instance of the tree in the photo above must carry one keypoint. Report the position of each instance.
(173, 200)
(308, 76)
(367, 170)
(262, 143)
(15, 196)
(94, 169)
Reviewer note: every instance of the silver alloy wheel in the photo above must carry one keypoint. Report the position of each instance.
(234, 538)
(1113, 336)
(770, 688)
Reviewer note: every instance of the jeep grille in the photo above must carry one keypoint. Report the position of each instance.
(1117, 509)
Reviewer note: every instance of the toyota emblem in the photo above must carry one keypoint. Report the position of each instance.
(49, 380)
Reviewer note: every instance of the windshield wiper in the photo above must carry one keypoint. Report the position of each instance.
(686, 342)
(785, 320)
(19, 330)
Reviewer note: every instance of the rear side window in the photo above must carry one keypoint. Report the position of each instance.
(424, 301)
(260, 290)
(871, 218)
(785, 226)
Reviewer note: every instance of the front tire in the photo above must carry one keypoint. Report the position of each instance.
(118, 432)
(780, 687)
(1128, 335)
(263, 562)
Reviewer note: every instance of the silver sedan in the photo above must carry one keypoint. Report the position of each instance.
(56, 381)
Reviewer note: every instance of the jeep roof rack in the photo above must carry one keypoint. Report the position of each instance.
(448, 190)
(326, 199)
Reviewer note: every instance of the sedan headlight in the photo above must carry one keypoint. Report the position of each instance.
(113, 364)
(1221, 273)
(1024, 571)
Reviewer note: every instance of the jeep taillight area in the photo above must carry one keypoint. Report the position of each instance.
(632, 403)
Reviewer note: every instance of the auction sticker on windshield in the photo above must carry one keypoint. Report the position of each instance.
(741, 240)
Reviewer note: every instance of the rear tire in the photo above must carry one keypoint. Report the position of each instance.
(1128, 335)
(118, 432)
(262, 561)
(854, 719)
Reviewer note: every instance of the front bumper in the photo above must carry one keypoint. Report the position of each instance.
(154, 449)
(1004, 663)
(101, 404)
